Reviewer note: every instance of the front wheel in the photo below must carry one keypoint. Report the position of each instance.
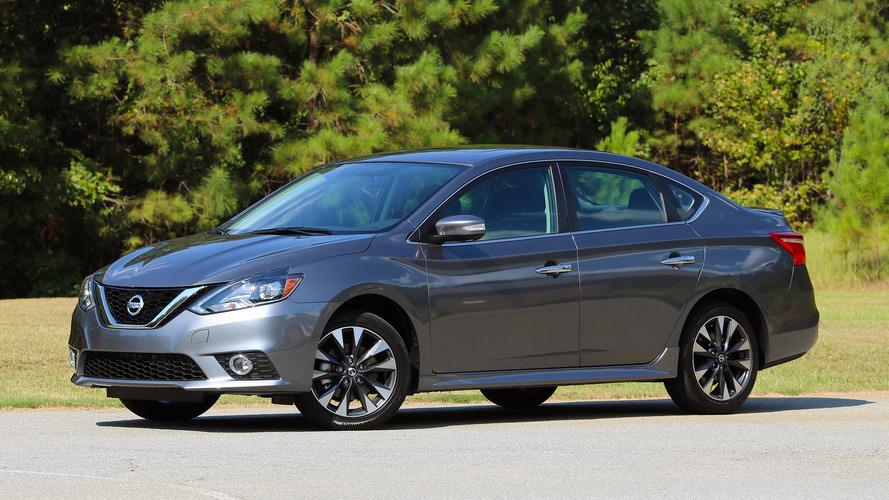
(717, 361)
(169, 411)
(521, 397)
(361, 374)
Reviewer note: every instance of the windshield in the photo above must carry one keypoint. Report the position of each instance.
(347, 198)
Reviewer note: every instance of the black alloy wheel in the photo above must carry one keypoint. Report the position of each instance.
(717, 363)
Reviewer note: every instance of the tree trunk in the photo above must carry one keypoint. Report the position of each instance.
(877, 246)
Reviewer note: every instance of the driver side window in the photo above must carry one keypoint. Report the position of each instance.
(512, 204)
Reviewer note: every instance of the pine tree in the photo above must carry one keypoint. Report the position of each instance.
(228, 99)
(859, 178)
(621, 140)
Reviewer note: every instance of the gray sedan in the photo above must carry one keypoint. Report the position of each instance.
(509, 270)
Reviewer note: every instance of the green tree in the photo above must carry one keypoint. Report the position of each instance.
(858, 178)
(522, 73)
(615, 62)
(131, 121)
(567, 71)
(621, 140)
(57, 203)
(220, 102)
(692, 44)
(752, 96)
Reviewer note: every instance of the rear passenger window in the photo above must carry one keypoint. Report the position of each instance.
(608, 198)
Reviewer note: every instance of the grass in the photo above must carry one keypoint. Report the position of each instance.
(849, 356)
(833, 263)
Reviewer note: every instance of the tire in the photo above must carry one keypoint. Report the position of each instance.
(169, 411)
(361, 374)
(522, 397)
(717, 362)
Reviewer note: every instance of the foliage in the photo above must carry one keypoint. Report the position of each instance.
(125, 122)
(574, 71)
(797, 202)
(859, 181)
(622, 141)
(58, 204)
(226, 100)
(769, 98)
(615, 61)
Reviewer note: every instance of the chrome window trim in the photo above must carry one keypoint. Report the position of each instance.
(499, 240)
(176, 302)
(625, 228)
(558, 163)
(700, 210)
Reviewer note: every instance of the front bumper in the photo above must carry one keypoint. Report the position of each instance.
(284, 331)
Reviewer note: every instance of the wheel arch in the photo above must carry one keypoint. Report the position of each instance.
(747, 305)
(396, 316)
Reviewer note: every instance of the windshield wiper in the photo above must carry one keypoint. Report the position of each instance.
(299, 231)
(217, 231)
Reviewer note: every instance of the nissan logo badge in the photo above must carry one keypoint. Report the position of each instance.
(135, 305)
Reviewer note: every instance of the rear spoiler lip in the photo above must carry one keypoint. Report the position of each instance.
(773, 211)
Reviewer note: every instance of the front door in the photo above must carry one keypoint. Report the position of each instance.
(510, 300)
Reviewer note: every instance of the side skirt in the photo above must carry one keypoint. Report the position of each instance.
(663, 367)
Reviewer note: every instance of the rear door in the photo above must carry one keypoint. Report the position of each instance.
(631, 296)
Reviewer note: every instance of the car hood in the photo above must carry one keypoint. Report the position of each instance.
(205, 258)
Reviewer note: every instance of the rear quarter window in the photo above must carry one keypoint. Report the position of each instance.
(686, 201)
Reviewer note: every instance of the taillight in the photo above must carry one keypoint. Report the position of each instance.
(793, 243)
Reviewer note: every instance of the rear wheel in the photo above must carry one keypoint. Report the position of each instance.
(169, 411)
(717, 362)
(361, 374)
(521, 397)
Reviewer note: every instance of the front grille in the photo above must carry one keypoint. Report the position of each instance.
(138, 366)
(263, 369)
(154, 301)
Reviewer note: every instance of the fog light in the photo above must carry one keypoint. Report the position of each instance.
(240, 364)
(72, 358)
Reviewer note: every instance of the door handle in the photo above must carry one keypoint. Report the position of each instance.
(555, 270)
(678, 262)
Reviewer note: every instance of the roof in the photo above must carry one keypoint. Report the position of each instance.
(492, 155)
(459, 155)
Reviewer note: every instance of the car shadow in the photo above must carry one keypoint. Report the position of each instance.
(419, 417)
(435, 416)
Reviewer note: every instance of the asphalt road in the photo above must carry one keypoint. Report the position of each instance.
(798, 447)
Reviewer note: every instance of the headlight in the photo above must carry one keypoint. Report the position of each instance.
(252, 291)
(86, 294)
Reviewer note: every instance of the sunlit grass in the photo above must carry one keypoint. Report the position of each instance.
(851, 352)
(850, 355)
(834, 264)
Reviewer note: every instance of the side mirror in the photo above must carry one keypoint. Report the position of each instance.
(459, 228)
